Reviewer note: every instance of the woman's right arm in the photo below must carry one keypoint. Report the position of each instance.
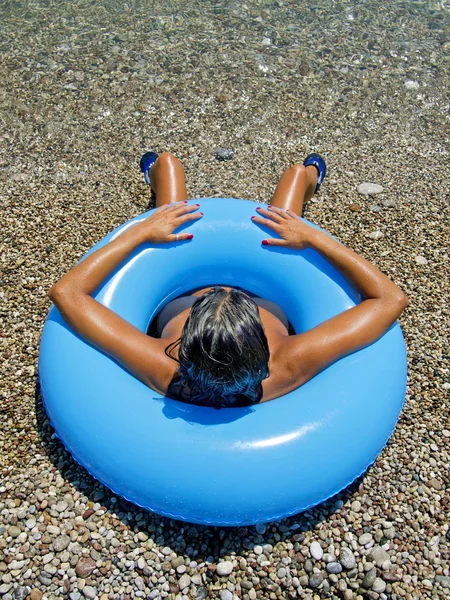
(312, 351)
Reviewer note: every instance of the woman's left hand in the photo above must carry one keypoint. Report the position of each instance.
(159, 227)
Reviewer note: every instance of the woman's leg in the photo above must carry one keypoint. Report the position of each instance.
(295, 188)
(167, 179)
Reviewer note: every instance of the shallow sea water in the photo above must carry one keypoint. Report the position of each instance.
(86, 87)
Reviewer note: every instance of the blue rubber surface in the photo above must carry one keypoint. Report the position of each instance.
(237, 466)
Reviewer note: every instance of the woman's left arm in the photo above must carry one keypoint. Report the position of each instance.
(96, 323)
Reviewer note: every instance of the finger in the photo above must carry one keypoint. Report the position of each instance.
(186, 218)
(274, 242)
(281, 212)
(292, 214)
(186, 208)
(266, 222)
(180, 237)
(270, 214)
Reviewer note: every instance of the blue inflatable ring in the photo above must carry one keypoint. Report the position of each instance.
(235, 466)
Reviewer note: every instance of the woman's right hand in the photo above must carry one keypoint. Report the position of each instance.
(159, 227)
(294, 233)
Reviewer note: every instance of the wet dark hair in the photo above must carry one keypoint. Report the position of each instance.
(223, 352)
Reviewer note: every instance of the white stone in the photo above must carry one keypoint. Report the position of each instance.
(184, 581)
(421, 260)
(224, 568)
(369, 189)
(226, 595)
(316, 550)
(375, 235)
(410, 84)
(53, 530)
(379, 585)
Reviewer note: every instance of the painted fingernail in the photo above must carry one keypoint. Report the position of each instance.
(185, 201)
(201, 214)
(253, 217)
(189, 236)
(270, 206)
(265, 242)
(197, 205)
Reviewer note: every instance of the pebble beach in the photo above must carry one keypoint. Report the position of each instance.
(239, 92)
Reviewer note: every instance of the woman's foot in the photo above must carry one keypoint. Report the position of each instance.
(146, 163)
(317, 161)
(299, 183)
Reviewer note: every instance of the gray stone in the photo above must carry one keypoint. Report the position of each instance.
(308, 566)
(201, 593)
(369, 189)
(61, 506)
(347, 559)
(61, 543)
(388, 203)
(365, 538)
(224, 154)
(4, 588)
(20, 593)
(443, 580)
(315, 580)
(45, 578)
(53, 530)
(90, 592)
(378, 555)
(369, 578)
(334, 567)
(379, 585)
(226, 595)
(177, 562)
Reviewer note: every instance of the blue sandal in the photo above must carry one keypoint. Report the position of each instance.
(146, 163)
(319, 163)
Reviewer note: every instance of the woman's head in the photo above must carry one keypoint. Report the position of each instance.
(223, 352)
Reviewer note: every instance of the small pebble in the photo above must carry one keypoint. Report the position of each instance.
(369, 578)
(315, 580)
(375, 235)
(369, 189)
(316, 551)
(224, 154)
(347, 559)
(224, 568)
(334, 567)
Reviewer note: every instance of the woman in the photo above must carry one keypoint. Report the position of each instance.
(222, 346)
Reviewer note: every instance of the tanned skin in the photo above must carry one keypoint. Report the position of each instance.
(293, 359)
